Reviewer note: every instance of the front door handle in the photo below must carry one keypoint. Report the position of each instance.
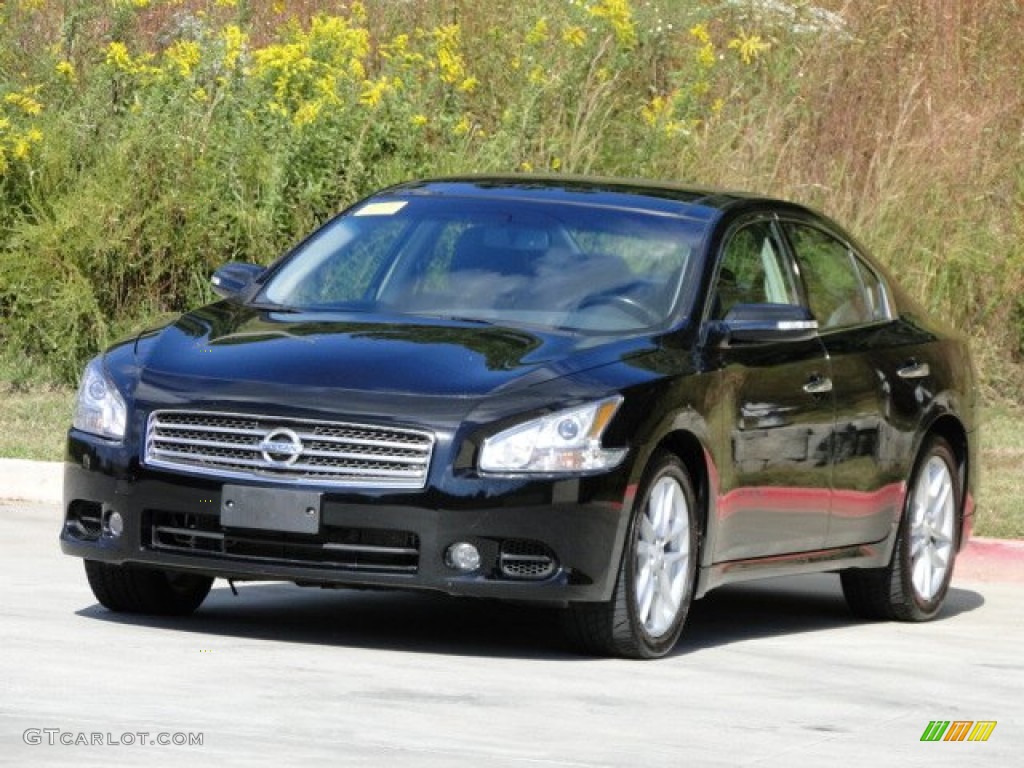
(914, 370)
(818, 385)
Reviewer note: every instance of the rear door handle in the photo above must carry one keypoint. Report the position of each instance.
(818, 385)
(914, 370)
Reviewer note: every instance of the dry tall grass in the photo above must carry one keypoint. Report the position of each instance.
(905, 121)
(911, 129)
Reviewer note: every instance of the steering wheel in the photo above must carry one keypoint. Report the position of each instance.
(624, 303)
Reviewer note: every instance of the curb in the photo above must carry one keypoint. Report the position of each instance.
(26, 480)
(985, 559)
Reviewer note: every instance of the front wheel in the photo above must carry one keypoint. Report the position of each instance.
(914, 585)
(655, 583)
(132, 589)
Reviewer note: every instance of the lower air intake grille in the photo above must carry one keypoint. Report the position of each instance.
(521, 559)
(354, 549)
(84, 520)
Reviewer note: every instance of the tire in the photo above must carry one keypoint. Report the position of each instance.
(657, 572)
(914, 585)
(131, 589)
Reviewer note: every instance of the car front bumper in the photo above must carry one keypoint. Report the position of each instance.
(552, 541)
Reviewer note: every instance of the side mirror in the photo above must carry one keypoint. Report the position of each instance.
(234, 278)
(762, 323)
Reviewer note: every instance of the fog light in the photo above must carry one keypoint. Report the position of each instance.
(113, 524)
(462, 556)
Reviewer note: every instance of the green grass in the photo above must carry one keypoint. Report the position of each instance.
(33, 425)
(1000, 507)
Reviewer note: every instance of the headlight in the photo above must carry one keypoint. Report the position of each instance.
(567, 441)
(100, 408)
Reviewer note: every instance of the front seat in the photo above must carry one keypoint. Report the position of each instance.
(500, 249)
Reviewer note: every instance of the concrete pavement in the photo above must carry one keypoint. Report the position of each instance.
(774, 673)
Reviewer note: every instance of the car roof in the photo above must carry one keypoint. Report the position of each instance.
(702, 203)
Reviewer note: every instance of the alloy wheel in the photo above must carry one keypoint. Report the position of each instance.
(933, 512)
(662, 557)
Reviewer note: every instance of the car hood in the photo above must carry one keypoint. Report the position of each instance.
(398, 354)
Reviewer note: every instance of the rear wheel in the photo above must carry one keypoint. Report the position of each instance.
(914, 585)
(132, 589)
(655, 583)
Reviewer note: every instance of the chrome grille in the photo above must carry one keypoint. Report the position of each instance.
(329, 453)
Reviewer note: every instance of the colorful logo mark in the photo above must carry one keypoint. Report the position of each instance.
(958, 730)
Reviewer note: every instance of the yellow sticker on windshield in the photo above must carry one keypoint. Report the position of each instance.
(381, 209)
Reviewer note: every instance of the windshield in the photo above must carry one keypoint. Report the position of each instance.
(555, 265)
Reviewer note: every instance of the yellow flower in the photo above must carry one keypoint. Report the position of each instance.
(396, 48)
(619, 15)
(574, 36)
(556, 163)
(66, 69)
(468, 85)
(200, 95)
(449, 59)
(227, 3)
(526, 166)
(235, 41)
(307, 113)
(419, 120)
(674, 128)
(537, 76)
(310, 65)
(750, 47)
(463, 127)
(119, 58)
(656, 109)
(706, 55)
(700, 33)
(374, 92)
(327, 88)
(24, 101)
(21, 148)
(184, 55)
(539, 33)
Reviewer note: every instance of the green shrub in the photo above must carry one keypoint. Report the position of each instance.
(145, 142)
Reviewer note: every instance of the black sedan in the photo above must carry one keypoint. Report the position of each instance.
(604, 395)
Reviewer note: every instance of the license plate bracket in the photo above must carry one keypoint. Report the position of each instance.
(270, 509)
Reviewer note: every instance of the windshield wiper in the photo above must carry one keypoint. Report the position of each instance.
(452, 318)
(269, 306)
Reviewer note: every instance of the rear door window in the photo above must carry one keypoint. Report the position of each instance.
(842, 290)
